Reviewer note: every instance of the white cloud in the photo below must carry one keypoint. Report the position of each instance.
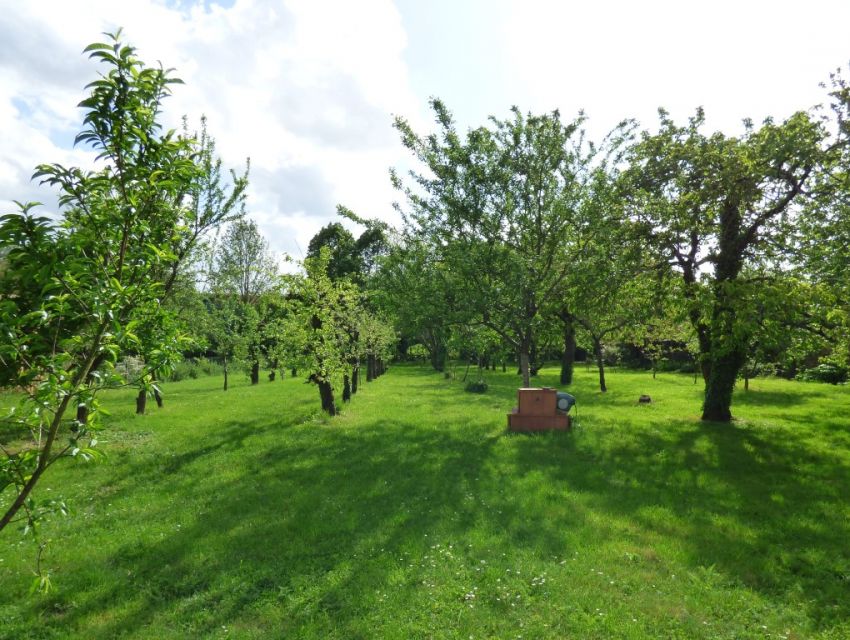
(622, 59)
(306, 89)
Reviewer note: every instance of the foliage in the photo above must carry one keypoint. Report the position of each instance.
(243, 265)
(721, 210)
(78, 294)
(320, 325)
(350, 258)
(494, 209)
(413, 286)
(825, 372)
(417, 352)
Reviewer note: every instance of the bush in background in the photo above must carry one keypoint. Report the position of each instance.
(825, 372)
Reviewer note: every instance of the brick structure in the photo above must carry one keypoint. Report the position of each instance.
(537, 410)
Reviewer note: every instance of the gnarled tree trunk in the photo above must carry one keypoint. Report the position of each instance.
(326, 394)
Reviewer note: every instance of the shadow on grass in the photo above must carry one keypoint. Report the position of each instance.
(307, 525)
(759, 398)
(314, 516)
(765, 512)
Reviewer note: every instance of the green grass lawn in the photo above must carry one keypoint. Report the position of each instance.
(415, 515)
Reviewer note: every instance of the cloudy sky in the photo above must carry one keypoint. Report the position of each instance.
(308, 89)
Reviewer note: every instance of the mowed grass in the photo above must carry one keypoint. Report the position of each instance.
(415, 515)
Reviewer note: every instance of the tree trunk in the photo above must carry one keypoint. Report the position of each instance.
(294, 372)
(569, 356)
(438, 357)
(466, 373)
(746, 383)
(158, 397)
(370, 368)
(346, 388)
(523, 367)
(225, 374)
(255, 372)
(721, 384)
(272, 375)
(533, 359)
(728, 348)
(355, 379)
(326, 393)
(600, 363)
(141, 402)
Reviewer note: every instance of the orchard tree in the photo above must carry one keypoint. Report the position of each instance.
(243, 265)
(609, 285)
(242, 268)
(376, 342)
(75, 293)
(320, 315)
(415, 288)
(212, 202)
(350, 258)
(721, 207)
(824, 234)
(496, 207)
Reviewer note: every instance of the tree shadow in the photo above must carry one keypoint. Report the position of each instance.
(760, 510)
(778, 399)
(308, 518)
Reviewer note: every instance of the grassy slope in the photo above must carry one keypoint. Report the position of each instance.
(415, 515)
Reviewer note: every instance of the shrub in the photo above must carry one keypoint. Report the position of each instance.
(210, 367)
(479, 386)
(183, 370)
(192, 368)
(825, 372)
(417, 353)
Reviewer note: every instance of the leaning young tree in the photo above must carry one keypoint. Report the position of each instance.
(210, 202)
(75, 293)
(719, 208)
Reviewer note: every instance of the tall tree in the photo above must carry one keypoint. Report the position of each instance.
(414, 287)
(496, 207)
(244, 266)
(719, 208)
(320, 317)
(824, 234)
(343, 258)
(211, 203)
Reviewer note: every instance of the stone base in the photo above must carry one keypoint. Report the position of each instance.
(520, 422)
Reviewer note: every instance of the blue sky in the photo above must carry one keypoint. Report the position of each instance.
(308, 88)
